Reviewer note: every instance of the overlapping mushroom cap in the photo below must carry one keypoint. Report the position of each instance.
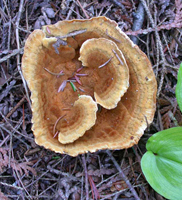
(82, 118)
(109, 89)
(73, 66)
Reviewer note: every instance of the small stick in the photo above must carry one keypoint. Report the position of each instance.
(105, 63)
(112, 37)
(18, 48)
(13, 186)
(95, 192)
(55, 134)
(14, 109)
(60, 72)
(86, 176)
(57, 123)
(159, 43)
(84, 11)
(81, 74)
(123, 175)
(56, 74)
(138, 21)
(74, 33)
(57, 44)
(71, 34)
(70, 11)
(109, 8)
(4, 140)
(121, 62)
(120, 5)
(24, 127)
(146, 122)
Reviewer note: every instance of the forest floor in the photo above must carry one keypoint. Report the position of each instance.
(28, 171)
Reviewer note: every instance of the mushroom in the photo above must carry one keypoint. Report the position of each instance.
(97, 60)
(92, 52)
(81, 119)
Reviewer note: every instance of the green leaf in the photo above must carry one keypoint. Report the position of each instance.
(162, 163)
(179, 88)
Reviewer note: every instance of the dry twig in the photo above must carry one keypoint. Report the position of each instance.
(13, 53)
(138, 21)
(123, 175)
(18, 47)
(86, 176)
(84, 11)
(159, 43)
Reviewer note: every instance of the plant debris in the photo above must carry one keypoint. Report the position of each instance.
(43, 174)
(56, 74)
(73, 86)
(105, 63)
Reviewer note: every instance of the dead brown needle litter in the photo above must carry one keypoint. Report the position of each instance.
(57, 123)
(105, 63)
(55, 134)
(112, 37)
(123, 175)
(121, 62)
(74, 33)
(56, 74)
(58, 43)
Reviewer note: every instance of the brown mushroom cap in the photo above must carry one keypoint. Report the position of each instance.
(81, 119)
(91, 52)
(117, 128)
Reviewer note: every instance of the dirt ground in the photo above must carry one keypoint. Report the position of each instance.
(28, 171)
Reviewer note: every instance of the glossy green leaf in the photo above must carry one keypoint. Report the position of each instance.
(179, 88)
(162, 163)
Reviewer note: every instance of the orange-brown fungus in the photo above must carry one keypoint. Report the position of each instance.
(108, 89)
(74, 66)
(81, 119)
